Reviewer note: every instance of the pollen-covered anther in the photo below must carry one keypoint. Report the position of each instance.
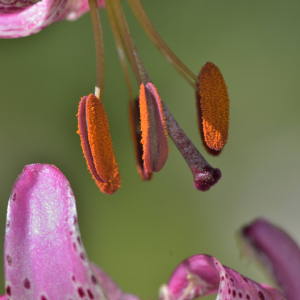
(154, 134)
(214, 105)
(134, 119)
(96, 143)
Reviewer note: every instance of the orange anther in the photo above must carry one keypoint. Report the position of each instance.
(214, 104)
(97, 145)
(134, 120)
(154, 134)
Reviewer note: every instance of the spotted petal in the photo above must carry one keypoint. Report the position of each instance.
(201, 275)
(278, 253)
(44, 255)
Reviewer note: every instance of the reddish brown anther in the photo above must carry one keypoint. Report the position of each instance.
(200, 126)
(213, 110)
(96, 143)
(154, 135)
(134, 119)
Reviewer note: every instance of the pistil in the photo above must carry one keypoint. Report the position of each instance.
(205, 176)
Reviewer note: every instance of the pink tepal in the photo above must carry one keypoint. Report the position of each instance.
(44, 256)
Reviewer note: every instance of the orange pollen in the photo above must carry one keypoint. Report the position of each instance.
(97, 145)
(145, 122)
(154, 133)
(134, 122)
(214, 104)
(112, 184)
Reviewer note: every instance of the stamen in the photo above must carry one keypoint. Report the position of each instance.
(205, 175)
(96, 143)
(99, 47)
(134, 118)
(214, 103)
(160, 44)
(154, 135)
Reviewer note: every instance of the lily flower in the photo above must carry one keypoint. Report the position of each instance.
(45, 258)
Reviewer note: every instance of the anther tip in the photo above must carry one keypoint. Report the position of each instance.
(205, 180)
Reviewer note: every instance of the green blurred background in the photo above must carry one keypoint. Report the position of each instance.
(141, 233)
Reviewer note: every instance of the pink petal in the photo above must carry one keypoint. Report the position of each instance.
(277, 251)
(40, 15)
(3, 297)
(110, 287)
(44, 255)
(202, 275)
(13, 6)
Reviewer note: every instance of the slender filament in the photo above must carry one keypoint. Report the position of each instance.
(120, 48)
(99, 47)
(157, 40)
(119, 16)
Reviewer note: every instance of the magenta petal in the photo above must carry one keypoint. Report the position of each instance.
(44, 255)
(40, 15)
(202, 275)
(111, 289)
(278, 253)
(3, 297)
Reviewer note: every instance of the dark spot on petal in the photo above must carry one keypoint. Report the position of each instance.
(245, 278)
(261, 295)
(8, 259)
(79, 240)
(233, 293)
(75, 220)
(43, 297)
(240, 295)
(229, 291)
(82, 256)
(7, 224)
(226, 275)
(231, 279)
(26, 284)
(90, 294)
(222, 278)
(94, 280)
(14, 197)
(247, 297)
(74, 246)
(81, 292)
(73, 278)
(8, 290)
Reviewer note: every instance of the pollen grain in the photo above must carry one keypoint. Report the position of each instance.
(214, 104)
